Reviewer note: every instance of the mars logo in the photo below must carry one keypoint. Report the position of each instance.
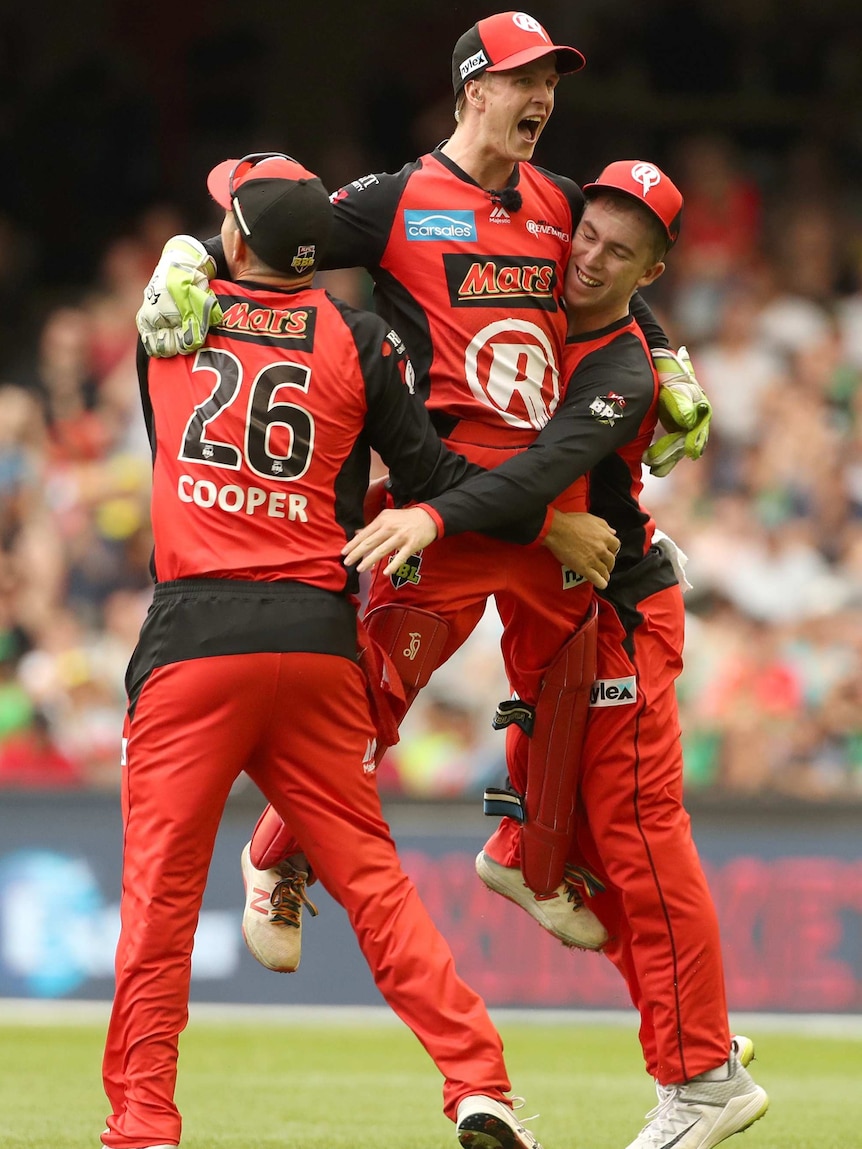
(408, 572)
(516, 281)
(243, 320)
(510, 367)
(646, 175)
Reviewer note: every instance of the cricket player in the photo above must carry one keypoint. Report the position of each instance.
(634, 831)
(251, 657)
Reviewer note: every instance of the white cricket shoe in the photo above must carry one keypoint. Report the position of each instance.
(483, 1123)
(561, 913)
(703, 1112)
(272, 919)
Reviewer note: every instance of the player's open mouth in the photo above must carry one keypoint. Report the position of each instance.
(586, 280)
(529, 128)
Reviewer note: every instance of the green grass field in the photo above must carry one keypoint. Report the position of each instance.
(354, 1086)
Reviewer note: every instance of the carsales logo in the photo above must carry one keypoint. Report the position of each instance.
(437, 225)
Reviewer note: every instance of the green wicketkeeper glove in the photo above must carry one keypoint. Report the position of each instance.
(179, 307)
(683, 410)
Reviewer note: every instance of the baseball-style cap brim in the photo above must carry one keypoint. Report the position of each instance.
(648, 185)
(273, 167)
(568, 59)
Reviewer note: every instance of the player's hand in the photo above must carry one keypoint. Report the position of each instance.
(585, 544)
(179, 307)
(683, 410)
(404, 532)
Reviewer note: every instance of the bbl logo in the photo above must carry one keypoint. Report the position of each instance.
(304, 258)
(408, 572)
(608, 408)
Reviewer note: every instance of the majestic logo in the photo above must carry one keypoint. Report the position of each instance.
(542, 227)
(608, 408)
(440, 225)
(304, 258)
(646, 175)
(614, 691)
(499, 215)
(480, 60)
(510, 367)
(407, 572)
(516, 281)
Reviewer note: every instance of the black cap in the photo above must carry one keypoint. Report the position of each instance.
(281, 208)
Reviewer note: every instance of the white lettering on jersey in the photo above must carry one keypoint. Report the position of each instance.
(503, 373)
(235, 499)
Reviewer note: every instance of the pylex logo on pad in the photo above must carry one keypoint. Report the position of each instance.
(614, 691)
(440, 224)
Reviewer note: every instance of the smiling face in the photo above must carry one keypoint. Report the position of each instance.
(616, 249)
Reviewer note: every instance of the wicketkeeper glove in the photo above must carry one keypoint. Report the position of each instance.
(179, 307)
(683, 410)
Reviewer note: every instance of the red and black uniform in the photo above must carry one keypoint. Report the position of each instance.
(476, 290)
(247, 661)
(634, 830)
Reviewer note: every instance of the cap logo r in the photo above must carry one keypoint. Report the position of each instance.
(647, 176)
(529, 24)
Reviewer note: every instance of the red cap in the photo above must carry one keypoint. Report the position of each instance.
(507, 40)
(281, 208)
(648, 185)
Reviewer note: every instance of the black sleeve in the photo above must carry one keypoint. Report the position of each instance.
(649, 325)
(364, 211)
(397, 423)
(610, 394)
(215, 248)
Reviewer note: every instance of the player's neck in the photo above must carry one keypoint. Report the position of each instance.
(584, 320)
(483, 164)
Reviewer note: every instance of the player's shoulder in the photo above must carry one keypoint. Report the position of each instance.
(376, 185)
(567, 186)
(366, 327)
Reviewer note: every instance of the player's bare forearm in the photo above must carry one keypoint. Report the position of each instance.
(403, 532)
(584, 543)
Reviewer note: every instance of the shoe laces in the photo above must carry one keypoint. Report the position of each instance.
(577, 880)
(287, 899)
(664, 1093)
(671, 1116)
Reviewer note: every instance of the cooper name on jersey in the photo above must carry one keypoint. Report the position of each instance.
(246, 321)
(520, 281)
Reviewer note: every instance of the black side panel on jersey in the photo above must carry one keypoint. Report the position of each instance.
(206, 618)
(364, 212)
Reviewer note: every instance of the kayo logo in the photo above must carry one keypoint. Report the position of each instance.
(614, 691)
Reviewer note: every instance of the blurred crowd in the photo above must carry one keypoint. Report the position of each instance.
(765, 289)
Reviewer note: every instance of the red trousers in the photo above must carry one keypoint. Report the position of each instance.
(635, 834)
(299, 725)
